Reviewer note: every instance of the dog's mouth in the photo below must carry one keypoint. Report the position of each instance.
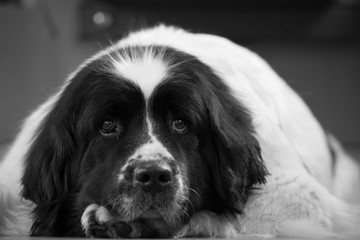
(158, 218)
(164, 211)
(151, 213)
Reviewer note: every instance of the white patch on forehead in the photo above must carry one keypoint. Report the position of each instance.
(146, 68)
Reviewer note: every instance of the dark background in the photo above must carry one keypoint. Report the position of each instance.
(314, 45)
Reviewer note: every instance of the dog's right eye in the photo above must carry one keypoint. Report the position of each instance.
(109, 127)
(179, 126)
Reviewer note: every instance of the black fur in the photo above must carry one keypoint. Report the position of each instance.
(70, 165)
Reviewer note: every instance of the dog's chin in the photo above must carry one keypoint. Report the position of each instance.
(154, 224)
(151, 213)
(165, 214)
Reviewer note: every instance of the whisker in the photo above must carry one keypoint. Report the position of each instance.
(191, 204)
(197, 194)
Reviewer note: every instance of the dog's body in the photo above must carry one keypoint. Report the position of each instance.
(196, 136)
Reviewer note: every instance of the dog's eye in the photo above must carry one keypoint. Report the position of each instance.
(178, 126)
(109, 127)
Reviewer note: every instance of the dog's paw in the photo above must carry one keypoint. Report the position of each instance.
(97, 222)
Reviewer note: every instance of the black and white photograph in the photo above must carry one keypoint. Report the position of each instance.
(231, 119)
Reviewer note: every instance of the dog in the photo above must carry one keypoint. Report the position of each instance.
(168, 133)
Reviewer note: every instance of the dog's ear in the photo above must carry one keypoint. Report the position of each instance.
(233, 151)
(47, 165)
(51, 175)
(49, 171)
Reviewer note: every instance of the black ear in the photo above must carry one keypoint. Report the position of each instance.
(235, 154)
(49, 168)
(46, 165)
(51, 177)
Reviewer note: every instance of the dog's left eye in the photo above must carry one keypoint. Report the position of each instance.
(109, 127)
(178, 126)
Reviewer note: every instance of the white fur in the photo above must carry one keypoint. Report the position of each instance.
(293, 202)
(146, 70)
(85, 218)
(208, 224)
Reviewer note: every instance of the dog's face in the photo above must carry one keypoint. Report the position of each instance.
(143, 158)
(149, 133)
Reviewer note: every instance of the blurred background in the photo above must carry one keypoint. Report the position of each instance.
(313, 44)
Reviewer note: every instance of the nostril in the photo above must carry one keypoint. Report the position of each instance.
(143, 177)
(165, 177)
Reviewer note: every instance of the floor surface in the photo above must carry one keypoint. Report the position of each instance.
(242, 238)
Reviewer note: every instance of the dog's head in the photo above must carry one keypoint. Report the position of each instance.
(147, 132)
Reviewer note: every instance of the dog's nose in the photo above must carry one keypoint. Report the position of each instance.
(153, 177)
